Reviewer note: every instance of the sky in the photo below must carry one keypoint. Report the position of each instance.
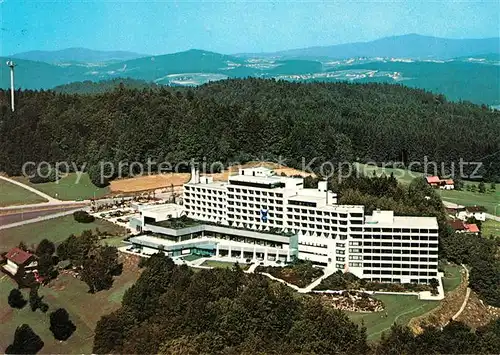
(229, 27)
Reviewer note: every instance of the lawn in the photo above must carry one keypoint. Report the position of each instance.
(452, 277)
(490, 228)
(222, 264)
(488, 199)
(67, 292)
(56, 230)
(192, 257)
(402, 175)
(69, 187)
(399, 309)
(11, 194)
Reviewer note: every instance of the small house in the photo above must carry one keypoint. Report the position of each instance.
(447, 184)
(433, 180)
(460, 227)
(19, 262)
(478, 212)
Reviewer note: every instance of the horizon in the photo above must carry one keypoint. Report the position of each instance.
(153, 28)
(205, 50)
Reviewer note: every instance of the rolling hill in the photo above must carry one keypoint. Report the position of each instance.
(468, 76)
(75, 55)
(407, 46)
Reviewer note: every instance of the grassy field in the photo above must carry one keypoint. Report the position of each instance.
(452, 277)
(68, 188)
(468, 198)
(56, 230)
(11, 195)
(67, 292)
(403, 176)
(490, 227)
(399, 308)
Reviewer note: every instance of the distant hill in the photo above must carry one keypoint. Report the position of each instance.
(472, 77)
(77, 55)
(406, 46)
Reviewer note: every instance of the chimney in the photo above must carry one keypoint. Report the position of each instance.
(195, 175)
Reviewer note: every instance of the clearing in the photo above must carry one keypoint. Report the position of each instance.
(67, 292)
(13, 195)
(69, 187)
(165, 181)
(56, 230)
(452, 277)
(490, 227)
(399, 309)
(402, 175)
(489, 199)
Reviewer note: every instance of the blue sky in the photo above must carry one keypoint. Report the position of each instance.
(157, 27)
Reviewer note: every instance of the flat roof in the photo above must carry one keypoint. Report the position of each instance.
(257, 179)
(166, 207)
(212, 185)
(405, 222)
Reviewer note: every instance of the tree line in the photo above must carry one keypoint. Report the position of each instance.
(245, 119)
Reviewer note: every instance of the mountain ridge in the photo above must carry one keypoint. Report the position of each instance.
(76, 54)
(401, 46)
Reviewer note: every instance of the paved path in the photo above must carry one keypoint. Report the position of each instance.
(29, 188)
(467, 294)
(327, 272)
(42, 218)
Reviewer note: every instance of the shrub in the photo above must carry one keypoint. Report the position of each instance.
(83, 217)
(16, 299)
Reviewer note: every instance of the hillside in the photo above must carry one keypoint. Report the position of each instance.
(243, 120)
(82, 55)
(472, 78)
(407, 46)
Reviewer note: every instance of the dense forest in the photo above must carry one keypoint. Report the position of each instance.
(173, 310)
(239, 120)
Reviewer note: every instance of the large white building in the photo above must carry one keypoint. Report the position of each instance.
(260, 209)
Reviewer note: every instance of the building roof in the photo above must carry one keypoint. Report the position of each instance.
(472, 228)
(474, 208)
(457, 225)
(433, 179)
(403, 222)
(18, 256)
(449, 182)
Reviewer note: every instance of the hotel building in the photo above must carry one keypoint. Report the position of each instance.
(259, 215)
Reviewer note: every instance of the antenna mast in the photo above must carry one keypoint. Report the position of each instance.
(11, 64)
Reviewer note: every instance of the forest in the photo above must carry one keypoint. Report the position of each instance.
(173, 310)
(246, 119)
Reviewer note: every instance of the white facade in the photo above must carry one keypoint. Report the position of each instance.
(380, 247)
(466, 214)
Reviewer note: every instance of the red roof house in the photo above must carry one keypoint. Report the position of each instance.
(19, 261)
(433, 180)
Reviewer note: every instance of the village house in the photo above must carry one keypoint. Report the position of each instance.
(444, 184)
(19, 262)
(478, 212)
(461, 227)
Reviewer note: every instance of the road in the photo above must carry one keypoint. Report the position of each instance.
(24, 215)
(41, 218)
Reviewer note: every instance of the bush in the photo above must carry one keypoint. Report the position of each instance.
(83, 217)
(60, 324)
(26, 341)
(45, 174)
(16, 299)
